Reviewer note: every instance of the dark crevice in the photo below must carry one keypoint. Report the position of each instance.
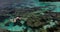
(2, 18)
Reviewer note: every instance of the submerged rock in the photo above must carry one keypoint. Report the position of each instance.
(4, 30)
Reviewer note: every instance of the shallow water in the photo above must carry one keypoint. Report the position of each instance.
(21, 28)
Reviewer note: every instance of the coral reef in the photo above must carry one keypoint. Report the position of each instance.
(36, 16)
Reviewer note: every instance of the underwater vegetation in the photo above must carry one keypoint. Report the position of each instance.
(36, 16)
(36, 22)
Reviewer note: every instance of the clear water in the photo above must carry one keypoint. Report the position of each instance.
(20, 28)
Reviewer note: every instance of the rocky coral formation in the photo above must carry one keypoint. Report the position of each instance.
(37, 19)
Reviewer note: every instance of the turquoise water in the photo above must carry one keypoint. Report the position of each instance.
(21, 28)
(57, 5)
(57, 9)
(16, 28)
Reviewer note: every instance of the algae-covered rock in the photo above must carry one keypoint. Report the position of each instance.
(4, 30)
(35, 20)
